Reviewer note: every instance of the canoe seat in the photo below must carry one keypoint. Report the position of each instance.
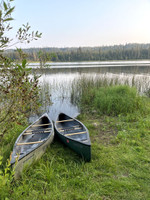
(25, 143)
(44, 129)
(68, 129)
(77, 133)
(37, 132)
(41, 124)
(67, 120)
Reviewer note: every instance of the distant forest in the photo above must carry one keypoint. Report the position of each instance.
(103, 53)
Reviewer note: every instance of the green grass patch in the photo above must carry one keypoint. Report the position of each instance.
(113, 100)
(117, 100)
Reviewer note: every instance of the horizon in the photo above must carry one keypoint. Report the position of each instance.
(82, 46)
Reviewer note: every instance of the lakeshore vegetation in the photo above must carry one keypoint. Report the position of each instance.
(118, 121)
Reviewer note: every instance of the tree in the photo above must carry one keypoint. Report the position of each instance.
(44, 57)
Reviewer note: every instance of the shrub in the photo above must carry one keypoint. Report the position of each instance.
(19, 92)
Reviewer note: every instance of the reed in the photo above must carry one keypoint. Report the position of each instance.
(87, 85)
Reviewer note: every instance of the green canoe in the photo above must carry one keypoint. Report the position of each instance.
(74, 134)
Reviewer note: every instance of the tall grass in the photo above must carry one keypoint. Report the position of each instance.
(117, 100)
(110, 96)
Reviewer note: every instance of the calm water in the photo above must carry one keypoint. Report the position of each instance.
(56, 81)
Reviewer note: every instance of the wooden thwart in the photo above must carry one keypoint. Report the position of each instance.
(67, 120)
(29, 143)
(62, 130)
(44, 129)
(40, 124)
(77, 126)
(29, 133)
(75, 133)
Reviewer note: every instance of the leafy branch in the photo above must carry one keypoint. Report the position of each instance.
(19, 93)
(23, 34)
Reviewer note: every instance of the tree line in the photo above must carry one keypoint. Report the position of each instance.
(116, 52)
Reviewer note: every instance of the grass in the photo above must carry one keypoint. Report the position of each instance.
(119, 169)
(116, 100)
(83, 87)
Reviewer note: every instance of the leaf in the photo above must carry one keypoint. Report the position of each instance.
(19, 67)
(10, 11)
(8, 19)
(5, 6)
(24, 63)
(0, 13)
(28, 69)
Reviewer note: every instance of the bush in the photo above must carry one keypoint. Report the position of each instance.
(117, 100)
(6, 178)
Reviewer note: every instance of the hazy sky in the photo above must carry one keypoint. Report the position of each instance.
(68, 23)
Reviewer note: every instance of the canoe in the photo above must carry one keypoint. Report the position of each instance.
(32, 143)
(74, 134)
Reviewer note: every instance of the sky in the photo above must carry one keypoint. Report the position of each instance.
(78, 23)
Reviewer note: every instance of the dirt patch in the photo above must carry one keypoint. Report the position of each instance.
(104, 131)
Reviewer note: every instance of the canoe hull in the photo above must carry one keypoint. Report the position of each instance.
(84, 150)
(74, 134)
(31, 151)
(30, 158)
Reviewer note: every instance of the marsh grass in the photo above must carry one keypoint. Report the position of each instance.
(115, 100)
(45, 97)
(84, 91)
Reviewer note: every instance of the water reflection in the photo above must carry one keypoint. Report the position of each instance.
(60, 87)
(115, 69)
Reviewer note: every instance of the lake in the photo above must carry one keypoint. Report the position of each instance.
(57, 78)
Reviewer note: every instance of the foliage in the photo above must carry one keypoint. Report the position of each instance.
(18, 89)
(23, 34)
(6, 179)
(19, 94)
(5, 17)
